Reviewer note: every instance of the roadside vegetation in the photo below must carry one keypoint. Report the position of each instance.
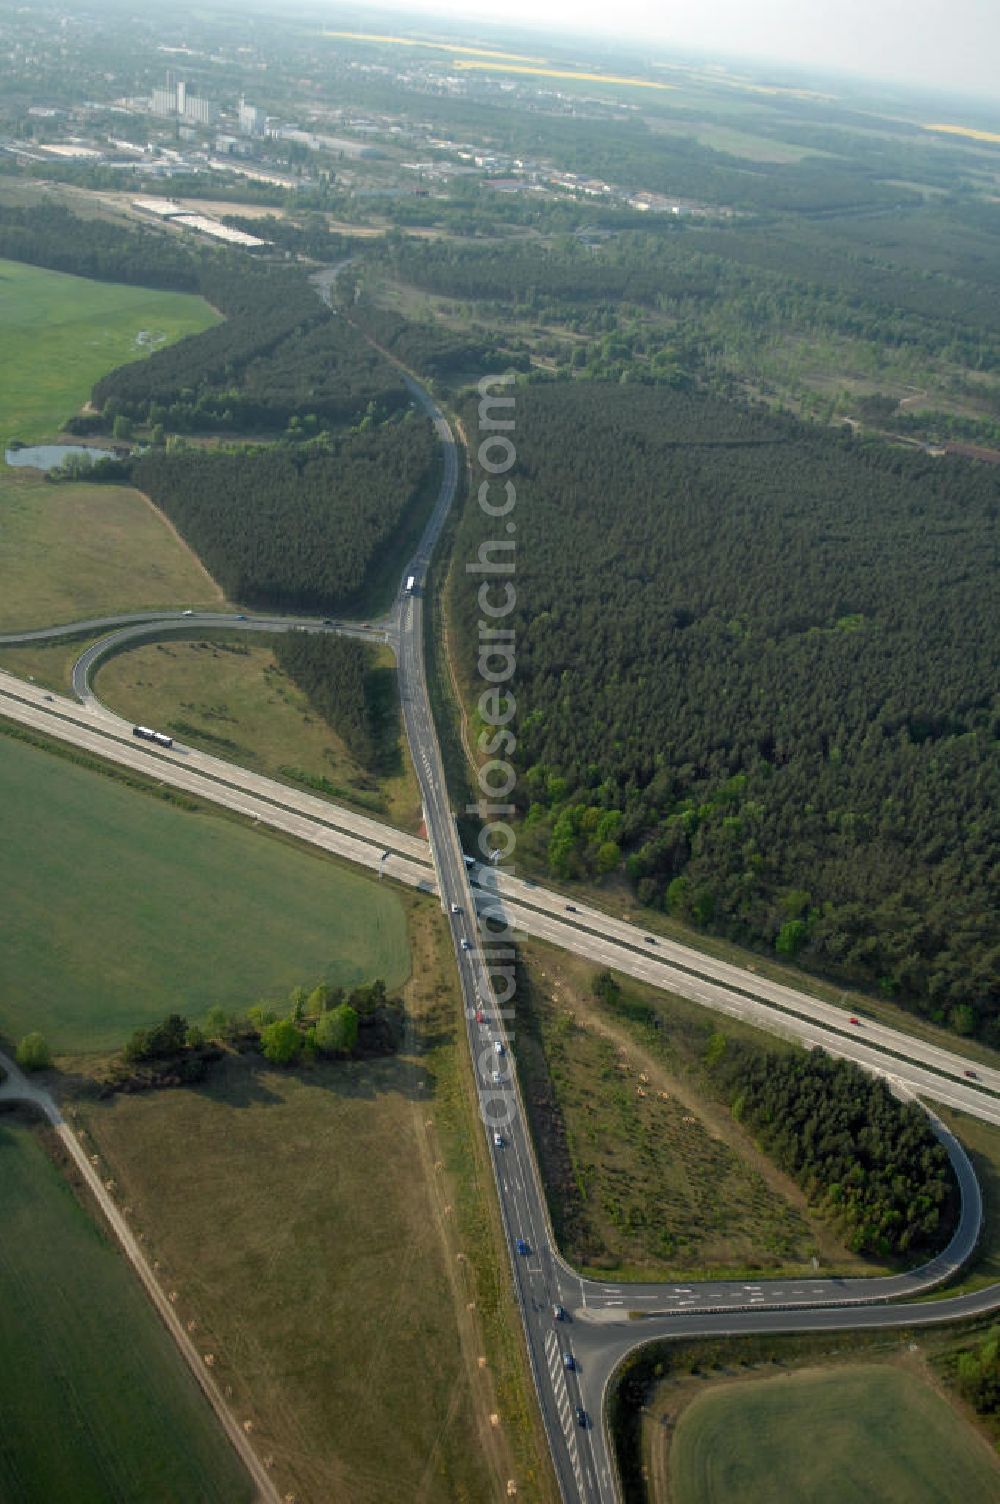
(981, 1142)
(94, 1394)
(647, 1173)
(869, 1162)
(47, 664)
(332, 727)
(673, 1141)
(296, 527)
(122, 909)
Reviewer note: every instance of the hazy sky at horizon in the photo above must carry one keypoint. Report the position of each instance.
(953, 45)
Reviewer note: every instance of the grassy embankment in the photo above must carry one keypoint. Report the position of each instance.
(647, 1175)
(76, 550)
(231, 698)
(94, 1395)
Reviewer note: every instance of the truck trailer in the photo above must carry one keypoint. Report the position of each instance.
(149, 735)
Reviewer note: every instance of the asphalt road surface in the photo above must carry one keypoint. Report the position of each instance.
(921, 1067)
(572, 1359)
(599, 1329)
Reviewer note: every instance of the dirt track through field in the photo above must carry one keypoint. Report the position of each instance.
(17, 1087)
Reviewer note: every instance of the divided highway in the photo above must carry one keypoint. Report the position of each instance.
(577, 1330)
(920, 1067)
(598, 1330)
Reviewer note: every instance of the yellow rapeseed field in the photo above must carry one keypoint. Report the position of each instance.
(964, 130)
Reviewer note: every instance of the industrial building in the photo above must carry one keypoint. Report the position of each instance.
(253, 122)
(174, 100)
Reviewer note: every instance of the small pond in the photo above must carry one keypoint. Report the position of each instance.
(51, 456)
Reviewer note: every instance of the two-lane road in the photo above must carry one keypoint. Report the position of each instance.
(571, 1360)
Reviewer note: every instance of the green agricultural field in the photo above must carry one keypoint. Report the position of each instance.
(230, 697)
(844, 1436)
(331, 1232)
(60, 333)
(119, 908)
(96, 1401)
(75, 550)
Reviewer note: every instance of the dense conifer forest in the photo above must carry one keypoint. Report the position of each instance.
(870, 1162)
(334, 672)
(430, 349)
(763, 679)
(295, 527)
(280, 354)
(49, 235)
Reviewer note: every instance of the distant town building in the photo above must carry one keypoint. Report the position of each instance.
(174, 99)
(164, 101)
(234, 146)
(200, 111)
(253, 122)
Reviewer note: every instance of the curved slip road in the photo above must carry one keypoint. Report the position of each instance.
(599, 1332)
(541, 1278)
(922, 1068)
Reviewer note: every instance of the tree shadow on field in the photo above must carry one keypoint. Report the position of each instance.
(248, 1080)
(433, 1037)
(15, 1113)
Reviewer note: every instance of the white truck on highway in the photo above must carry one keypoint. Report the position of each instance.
(149, 735)
(411, 583)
